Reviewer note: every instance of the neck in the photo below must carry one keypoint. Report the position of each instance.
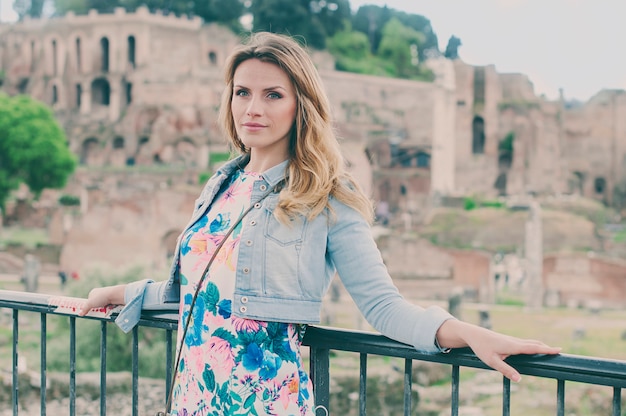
(260, 163)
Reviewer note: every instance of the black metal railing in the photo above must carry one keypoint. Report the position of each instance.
(321, 341)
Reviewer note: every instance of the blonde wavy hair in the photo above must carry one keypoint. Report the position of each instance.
(317, 169)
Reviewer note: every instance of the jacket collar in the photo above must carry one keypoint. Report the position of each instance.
(273, 175)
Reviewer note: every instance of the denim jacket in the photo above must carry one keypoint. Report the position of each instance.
(284, 271)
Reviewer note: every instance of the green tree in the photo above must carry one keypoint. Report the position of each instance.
(226, 12)
(292, 17)
(333, 15)
(61, 7)
(422, 25)
(372, 20)
(400, 45)
(351, 50)
(33, 147)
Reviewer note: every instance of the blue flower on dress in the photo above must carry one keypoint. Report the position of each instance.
(271, 364)
(224, 308)
(265, 361)
(253, 358)
(193, 337)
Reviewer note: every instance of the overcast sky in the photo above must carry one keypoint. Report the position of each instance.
(576, 45)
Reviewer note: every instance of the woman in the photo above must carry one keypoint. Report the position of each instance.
(241, 350)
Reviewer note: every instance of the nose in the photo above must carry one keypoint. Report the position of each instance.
(254, 107)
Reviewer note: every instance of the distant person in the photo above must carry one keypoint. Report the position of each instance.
(244, 311)
(62, 278)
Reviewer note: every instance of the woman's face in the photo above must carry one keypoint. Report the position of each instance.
(263, 108)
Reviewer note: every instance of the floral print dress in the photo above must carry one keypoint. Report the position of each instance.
(229, 365)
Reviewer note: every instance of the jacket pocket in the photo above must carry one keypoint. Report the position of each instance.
(283, 234)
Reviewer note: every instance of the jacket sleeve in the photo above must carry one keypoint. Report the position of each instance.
(143, 294)
(358, 261)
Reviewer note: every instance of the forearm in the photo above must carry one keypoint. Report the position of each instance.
(116, 295)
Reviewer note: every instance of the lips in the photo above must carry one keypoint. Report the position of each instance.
(250, 126)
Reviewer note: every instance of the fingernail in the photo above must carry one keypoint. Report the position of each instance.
(516, 378)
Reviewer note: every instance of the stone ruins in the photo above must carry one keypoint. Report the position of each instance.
(138, 95)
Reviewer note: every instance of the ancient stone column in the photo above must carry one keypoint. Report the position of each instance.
(534, 257)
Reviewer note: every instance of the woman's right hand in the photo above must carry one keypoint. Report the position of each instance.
(103, 296)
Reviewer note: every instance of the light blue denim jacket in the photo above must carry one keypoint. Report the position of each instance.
(283, 272)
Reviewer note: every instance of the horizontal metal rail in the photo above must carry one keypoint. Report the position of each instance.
(321, 340)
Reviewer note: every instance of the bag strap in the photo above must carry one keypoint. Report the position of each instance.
(200, 283)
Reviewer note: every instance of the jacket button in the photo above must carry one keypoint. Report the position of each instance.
(249, 242)
(243, 309)
(257, 205)
(253, 222)
(246, 270)
(263, 187)
(244, 299)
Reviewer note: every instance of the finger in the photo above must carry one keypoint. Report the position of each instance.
(84, 309)
(538, 348)
(506, 370)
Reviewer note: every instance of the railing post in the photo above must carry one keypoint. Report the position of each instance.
(16, 387)
(362, 384)
(454, 402)
(44, 365)
(617, 401)
(103, 368)
(135, 386)
(72, 365)
(408, 384)
(320, 374)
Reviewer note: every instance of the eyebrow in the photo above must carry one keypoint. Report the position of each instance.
(277, 87)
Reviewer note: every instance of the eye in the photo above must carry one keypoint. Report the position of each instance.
(241, 92)
(274, 95)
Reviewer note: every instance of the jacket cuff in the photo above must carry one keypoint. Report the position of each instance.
(131, 313)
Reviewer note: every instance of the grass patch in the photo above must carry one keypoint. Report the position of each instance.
(20, 236)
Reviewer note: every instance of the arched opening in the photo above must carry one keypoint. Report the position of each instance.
(79, 95)
(500, 184)
(131, 51)
(22, 86)
(54, 57)
(599, 185)
(423, 160)
(118, 143)
(478, 135)
(100, 91)
(78, 56)
(104, 53)
(128, 88)
(118, 155)
(212, 58)
(88, 150)
(55, 94)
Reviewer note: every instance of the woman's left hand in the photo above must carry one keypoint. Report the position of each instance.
(491, 347)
